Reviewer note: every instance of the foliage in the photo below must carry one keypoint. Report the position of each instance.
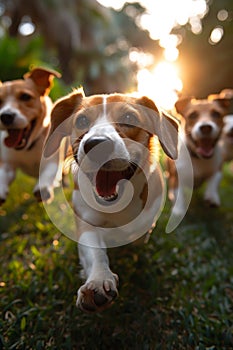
(87, 42)
(90, 45)
(175, 292)
(207, 68)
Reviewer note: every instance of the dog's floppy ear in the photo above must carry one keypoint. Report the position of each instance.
(43, 78)
(163, 125)
(61, 111)
(226, 93)
(169, 135)
(182, 103)
(223, 99)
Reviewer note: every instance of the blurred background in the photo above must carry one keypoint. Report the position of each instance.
(159, 48)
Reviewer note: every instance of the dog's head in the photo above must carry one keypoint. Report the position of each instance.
(203, 122)
(24, 105)
(111, 135)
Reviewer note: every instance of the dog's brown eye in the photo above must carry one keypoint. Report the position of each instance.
(215, 114)
(25, 97)
(192, 115)
(129, 119)
(82, 122)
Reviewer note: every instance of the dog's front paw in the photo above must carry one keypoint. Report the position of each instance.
(2, 201)
(97, 295)
(43, 194)
(212, 201)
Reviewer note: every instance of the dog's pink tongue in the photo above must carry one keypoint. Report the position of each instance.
(206, 148)
(14, 138)
(106, 182)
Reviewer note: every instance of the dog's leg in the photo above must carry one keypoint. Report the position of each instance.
(100, 288)
(175, 190)
(49, 177)
(51, 173)
(43, 191)
(211, 195)
(7, 175)
(172, 179)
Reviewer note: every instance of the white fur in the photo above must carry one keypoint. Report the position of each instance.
(226, 143)
(98, 226)
(204, 170)
(197, 133)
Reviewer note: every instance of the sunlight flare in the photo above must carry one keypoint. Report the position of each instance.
(162, 84)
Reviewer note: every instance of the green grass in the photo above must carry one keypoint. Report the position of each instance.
(176, 292)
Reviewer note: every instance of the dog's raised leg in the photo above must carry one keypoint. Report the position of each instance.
(100, 288)
(7, 175)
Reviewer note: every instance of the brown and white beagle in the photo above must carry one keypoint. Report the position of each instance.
(201, 128)
(118, 185)
(24, 124)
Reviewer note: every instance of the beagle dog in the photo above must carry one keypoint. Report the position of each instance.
(201, 127)
(24, 124)
(118, 185)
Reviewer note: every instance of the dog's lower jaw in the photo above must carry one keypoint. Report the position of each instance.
(108, 184)
(107, 199)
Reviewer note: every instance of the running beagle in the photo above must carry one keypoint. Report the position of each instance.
(24, 124)
(118, 187)
(201, 128)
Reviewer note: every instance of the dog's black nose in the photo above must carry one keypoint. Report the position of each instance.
(206, 129)
(7, 118)
(98, 147)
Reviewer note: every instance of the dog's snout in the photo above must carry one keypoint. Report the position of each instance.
(99, 145)
(206, 129)
(7, 118)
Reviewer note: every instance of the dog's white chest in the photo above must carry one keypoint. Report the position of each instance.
(205, 168)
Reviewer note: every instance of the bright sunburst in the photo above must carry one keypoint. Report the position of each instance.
(162, 82)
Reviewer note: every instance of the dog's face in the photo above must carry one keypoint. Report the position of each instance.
(23, 107)
(203, 123)
(228, 128)
(112, 136)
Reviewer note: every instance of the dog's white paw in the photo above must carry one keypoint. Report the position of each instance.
(44, 194)
(212, 200)
(97, 295)
(3, 195)
(2, 201)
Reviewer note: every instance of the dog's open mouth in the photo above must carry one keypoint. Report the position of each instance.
(18, 138)
(107, 181)
(205, 147)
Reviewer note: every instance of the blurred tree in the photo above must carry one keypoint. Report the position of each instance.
(88, 42)
(207, 66)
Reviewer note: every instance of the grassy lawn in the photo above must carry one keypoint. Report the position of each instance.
(176, 292)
